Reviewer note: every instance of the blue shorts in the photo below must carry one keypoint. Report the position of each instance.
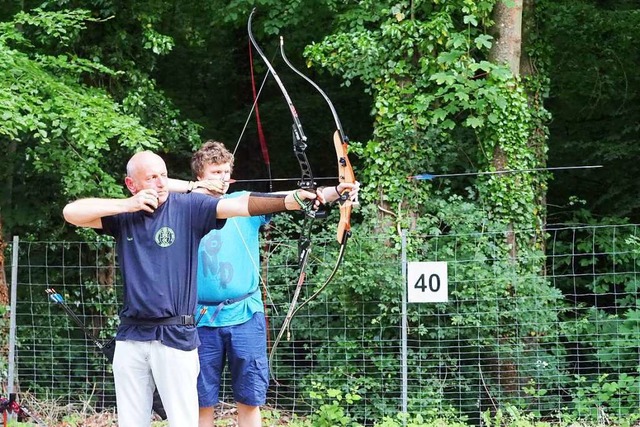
(245, 348)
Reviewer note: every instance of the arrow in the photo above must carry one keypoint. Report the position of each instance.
(429, 177)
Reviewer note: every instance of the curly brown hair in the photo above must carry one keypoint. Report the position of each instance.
(211, 152)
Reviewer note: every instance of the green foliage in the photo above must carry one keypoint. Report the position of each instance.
(71, 121)
(479, 277)
(600, 322)
(422, 65)
(608, 400)
(405, 420)
(436, 94)
(330, 412)
(367, 301)
(276, 14)
(59, 127)
(440, 104)
(511, 417)
(48, 28)
(368, 350)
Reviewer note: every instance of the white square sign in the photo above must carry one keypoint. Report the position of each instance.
(427, 282)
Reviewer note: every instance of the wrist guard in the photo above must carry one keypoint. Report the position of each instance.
(265, 203)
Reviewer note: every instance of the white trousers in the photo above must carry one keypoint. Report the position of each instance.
(141, 366)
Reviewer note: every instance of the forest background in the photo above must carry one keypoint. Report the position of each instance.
(420, 86)
(87, 83)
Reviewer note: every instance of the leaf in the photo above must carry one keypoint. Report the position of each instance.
(470, 19)
(483, 41)
(474, 122)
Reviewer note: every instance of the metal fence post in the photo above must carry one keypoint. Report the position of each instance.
(404, 328)
(12, 314)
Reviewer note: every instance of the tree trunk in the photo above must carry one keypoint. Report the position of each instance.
(507, 50)
(507, 47)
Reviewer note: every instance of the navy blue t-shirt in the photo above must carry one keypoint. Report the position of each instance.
(158, 255)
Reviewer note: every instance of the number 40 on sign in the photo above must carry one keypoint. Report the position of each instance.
(427, 282)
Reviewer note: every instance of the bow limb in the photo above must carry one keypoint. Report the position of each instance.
(287, 319)
(340, 141)
(304, 249)
(334, 113)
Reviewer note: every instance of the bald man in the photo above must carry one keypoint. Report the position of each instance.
(157, 236)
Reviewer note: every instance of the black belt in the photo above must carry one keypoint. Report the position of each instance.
(220, 304)
(185, 319)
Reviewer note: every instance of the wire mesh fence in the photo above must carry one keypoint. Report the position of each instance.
(548, 331)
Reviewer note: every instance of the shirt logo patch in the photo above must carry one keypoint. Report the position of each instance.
(165, 237)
